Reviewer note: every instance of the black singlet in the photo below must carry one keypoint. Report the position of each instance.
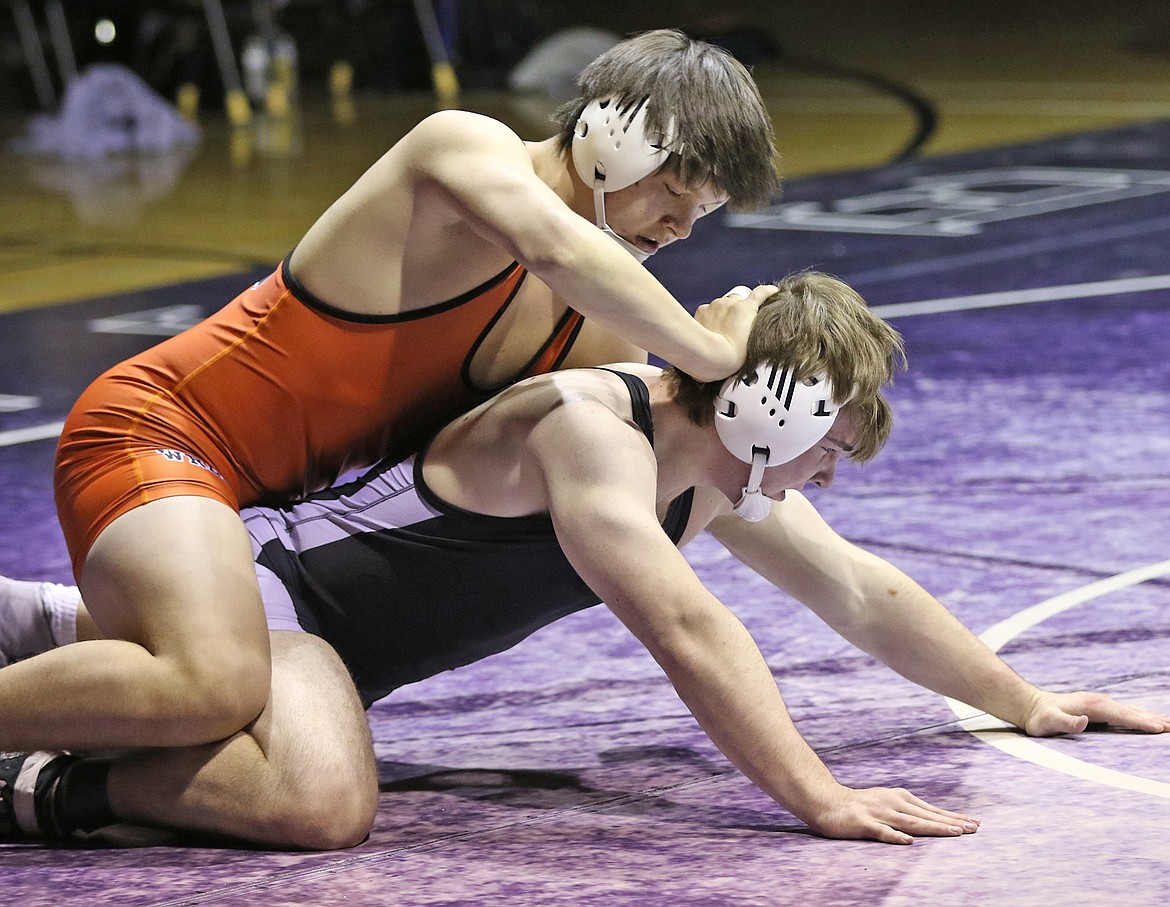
(404, 585)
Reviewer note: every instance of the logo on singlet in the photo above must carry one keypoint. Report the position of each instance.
(177, 456)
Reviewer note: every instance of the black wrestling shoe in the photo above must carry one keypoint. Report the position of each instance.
(28, 782)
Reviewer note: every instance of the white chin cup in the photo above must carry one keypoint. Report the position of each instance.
(754, 505)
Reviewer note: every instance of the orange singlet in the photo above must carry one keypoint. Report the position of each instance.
(273, 397)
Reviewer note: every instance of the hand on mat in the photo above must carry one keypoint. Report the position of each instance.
(1071, 713)
(731, 315)
(889, 815)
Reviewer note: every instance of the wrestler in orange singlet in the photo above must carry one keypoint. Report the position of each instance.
(273, 397)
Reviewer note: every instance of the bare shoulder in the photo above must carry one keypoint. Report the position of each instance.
(583, 422)
(477, 171)
(539, 438)
(574, 398)
(461, 133)
(457, 122)
(584, 398)
(575, 422)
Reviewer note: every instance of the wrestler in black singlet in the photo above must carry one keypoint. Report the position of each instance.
(404, 585)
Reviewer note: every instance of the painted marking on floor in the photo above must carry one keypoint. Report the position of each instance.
(1060, 245)
(959, 204)
(1025, 297)
(30, 433)
(993, 732)
(17, 403)
(165, 321)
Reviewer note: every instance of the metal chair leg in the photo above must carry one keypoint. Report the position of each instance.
(34, 54)
(239, 111)
(442, 72)
(62, 45)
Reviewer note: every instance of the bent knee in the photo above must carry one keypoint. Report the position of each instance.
(335, 816)
(219, 697)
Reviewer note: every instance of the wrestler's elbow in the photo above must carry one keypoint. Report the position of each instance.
(676, 630)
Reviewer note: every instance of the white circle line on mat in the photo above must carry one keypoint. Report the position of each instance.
(994, 732)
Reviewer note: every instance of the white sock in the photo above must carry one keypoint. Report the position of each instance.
(35, 617)
(60, 604)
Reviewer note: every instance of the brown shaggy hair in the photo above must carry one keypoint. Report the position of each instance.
(722, 134)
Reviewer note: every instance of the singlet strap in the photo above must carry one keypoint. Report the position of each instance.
(554, 351)
(547, 358)
(639, 399)
(678, 514)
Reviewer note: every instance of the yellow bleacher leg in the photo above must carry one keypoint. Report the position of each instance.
(446, 84)
(187, 100)
(239, 111)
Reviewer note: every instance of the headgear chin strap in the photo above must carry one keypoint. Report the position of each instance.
(611, 151)
(768, 418)
(599, 209)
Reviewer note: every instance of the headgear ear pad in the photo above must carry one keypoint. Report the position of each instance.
(611, 146)
(770, 412)
(768, 418)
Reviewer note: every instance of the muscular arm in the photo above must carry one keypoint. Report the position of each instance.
(483, 172)
(600, 480)
(881, 610)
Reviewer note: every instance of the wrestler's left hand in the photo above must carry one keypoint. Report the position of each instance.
(1071, 713)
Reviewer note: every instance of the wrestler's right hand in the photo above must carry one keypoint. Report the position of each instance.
(731, 316)
(889, 815)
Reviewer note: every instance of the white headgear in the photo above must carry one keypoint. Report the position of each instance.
(611, 150)
(768, 418)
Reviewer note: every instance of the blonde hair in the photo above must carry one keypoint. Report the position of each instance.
(817, 324)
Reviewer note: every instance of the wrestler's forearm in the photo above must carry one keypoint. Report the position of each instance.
(603, 282)
(876, 607)
(918, 637)
(720, 674)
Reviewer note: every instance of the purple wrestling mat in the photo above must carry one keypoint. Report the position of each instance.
(1026, 485)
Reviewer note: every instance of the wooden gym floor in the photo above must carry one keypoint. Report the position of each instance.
(994, 73)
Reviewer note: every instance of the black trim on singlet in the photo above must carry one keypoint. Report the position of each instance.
(465, 372)
(639, 399)
(678, 514)
(302, 293)
(306, 296)
(573, 334)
